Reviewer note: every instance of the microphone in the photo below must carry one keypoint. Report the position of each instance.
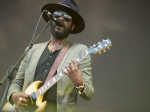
(57, 21)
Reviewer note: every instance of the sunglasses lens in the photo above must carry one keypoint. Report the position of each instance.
(67, 17)
(58, 14)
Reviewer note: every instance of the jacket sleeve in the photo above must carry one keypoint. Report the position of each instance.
(85, 67)
(17, 83)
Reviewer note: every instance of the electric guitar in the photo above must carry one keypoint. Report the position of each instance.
(36, 94)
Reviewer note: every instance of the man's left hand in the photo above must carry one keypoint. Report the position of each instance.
(74, 72)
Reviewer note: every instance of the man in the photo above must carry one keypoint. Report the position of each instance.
(62, 96)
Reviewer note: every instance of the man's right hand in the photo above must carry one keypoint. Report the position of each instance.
(20, 99)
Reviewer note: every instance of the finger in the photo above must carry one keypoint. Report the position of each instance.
(65, 70)
(68, 70)
(23, 100)
(69, 73)
(20, 99)
(20, 109)
(70, 64)
(75, 63)
(21, 104)
(24, 95)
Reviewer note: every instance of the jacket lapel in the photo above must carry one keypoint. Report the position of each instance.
(35, 58)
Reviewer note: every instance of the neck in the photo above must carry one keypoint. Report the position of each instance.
(56, 44)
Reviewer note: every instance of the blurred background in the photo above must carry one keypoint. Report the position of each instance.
(121, 75)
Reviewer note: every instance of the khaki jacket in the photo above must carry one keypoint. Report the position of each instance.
(66, 92)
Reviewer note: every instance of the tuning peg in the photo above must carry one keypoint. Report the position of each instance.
(100, 46)
(103, 40)
(94, 45)
(105, 45)
(108, 48)
(104, 51)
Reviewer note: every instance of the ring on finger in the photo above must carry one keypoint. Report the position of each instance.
(20, 99)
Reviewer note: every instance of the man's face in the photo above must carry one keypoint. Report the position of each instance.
(61, 32)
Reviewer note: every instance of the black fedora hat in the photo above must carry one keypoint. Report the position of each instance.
(71, 8)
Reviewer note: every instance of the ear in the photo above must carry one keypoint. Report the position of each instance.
(73, 26)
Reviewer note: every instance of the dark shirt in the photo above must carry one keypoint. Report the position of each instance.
(44, 65)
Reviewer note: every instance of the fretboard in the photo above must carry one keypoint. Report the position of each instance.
(58, 76)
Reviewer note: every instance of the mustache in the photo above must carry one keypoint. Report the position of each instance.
(62, 24)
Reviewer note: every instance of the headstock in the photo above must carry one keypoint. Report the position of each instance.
(100, 46)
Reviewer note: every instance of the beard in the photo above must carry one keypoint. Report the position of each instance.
(60, 35)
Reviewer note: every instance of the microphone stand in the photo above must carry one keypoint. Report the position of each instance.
(9, 74)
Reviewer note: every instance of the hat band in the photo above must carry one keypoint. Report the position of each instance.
(64, 5)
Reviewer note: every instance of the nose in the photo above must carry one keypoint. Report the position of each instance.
(61, 18)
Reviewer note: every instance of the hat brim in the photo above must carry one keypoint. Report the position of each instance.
(78, 20)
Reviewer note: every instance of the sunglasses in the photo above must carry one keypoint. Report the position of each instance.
(58, 14)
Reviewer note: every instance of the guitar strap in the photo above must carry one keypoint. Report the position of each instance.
(58, 60)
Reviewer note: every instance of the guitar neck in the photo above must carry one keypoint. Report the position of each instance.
(58, 76)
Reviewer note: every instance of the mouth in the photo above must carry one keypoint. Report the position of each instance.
(59, 26)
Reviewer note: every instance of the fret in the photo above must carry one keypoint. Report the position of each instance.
(48, 83)
(40, 91)
(81, 56)
(60, 74)
(42, 88)
(54, 79)
(57, 77)
(45, 86)
(37, 93)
